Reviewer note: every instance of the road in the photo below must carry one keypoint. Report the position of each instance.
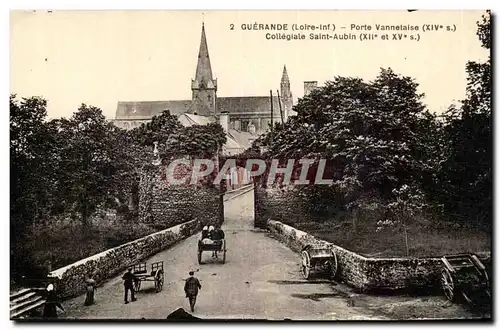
(260, 280)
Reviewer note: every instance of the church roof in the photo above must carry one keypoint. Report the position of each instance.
(248, 104)
(151, 108)
(189, 119)
(244, 139)
(234, 104)
(232, 144)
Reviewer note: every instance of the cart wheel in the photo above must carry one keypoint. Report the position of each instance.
(224, 254)
(137, 285)
(448, 285)
(467, 299)
(199, 256)
(487, 283)
(333, 266)
(159, 281)
(306, 265)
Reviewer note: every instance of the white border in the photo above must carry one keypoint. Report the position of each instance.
(239, 5)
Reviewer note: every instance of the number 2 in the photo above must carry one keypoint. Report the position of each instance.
(231, 26)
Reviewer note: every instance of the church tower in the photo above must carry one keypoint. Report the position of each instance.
(204, 87)
(286, 94)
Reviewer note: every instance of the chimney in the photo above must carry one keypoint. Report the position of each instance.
(309, 86)
(224, 120)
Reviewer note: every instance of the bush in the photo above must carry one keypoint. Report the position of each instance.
(62, 243)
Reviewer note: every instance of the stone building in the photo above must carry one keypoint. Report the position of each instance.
(242, 117)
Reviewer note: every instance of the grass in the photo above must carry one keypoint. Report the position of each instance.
(423, 240)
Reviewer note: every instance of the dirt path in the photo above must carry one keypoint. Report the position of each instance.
(260, 280)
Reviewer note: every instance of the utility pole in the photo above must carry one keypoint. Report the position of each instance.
(281, 111)
(272, 110)
(217, 159)
(272, 114)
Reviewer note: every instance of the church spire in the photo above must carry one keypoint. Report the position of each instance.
(204, 86)
(285, 84)
(286, 93)
(203, 69)
(284, 77)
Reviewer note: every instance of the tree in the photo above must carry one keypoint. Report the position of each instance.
(407, 204)
(195, 141)
(367, 131)
(85, 160)
(466, 171)
(33, 163)
(33, 160)
(157, 130)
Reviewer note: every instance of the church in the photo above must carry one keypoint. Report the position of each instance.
(243, 118)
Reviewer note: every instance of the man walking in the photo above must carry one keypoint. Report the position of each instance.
(191, 289)
(128, 282)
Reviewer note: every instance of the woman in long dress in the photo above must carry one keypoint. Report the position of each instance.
(89, 299)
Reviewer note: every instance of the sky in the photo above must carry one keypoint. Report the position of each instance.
(102, 57)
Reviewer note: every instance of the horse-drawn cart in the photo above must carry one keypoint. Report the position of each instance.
(319, 257)
(466, 276)
(156, 275)
(215, 246)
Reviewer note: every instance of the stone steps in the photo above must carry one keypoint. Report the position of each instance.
(22, 298)
(23, 302)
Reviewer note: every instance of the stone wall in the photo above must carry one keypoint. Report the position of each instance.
(71, 279)
(164, 205)
(370, 274)
(279, 204)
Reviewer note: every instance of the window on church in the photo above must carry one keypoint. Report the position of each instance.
(209, 97)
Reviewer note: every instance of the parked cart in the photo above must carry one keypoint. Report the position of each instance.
(156, 275)
(319, 257)
(465, 276)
